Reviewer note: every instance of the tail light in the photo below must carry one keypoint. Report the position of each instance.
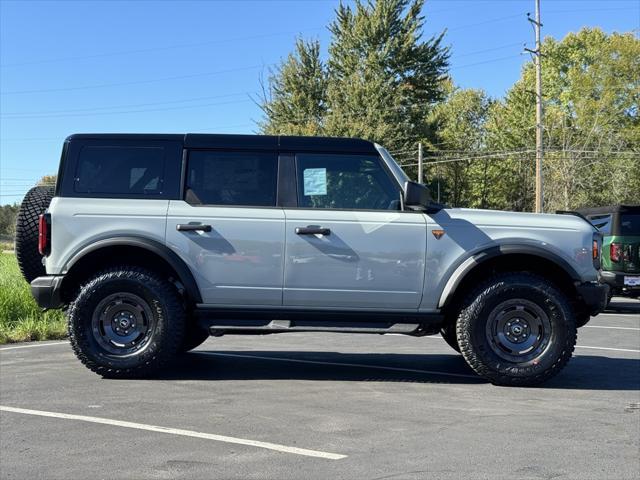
(615, 252)
(44, 234)
(596, 250)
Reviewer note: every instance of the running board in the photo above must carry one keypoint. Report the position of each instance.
(281, 326)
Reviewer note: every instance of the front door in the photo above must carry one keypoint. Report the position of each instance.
(228, 228)
(348, 244)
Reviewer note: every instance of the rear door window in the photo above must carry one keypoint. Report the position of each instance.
(232, 178)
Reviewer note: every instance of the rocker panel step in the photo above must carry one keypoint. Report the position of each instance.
(278, 326)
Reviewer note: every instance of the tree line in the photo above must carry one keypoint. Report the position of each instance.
(9, 213)
(382, 81)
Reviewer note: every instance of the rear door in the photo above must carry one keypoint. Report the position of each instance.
(348, 244)
(228, 229)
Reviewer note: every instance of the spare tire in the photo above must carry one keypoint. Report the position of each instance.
(35, 202)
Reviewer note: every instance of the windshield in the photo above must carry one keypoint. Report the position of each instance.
(393, 165)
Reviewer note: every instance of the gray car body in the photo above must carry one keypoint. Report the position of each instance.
(371, 261)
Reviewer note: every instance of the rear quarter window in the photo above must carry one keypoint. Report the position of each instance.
(602, 223)
(120, 170)
(114, 168)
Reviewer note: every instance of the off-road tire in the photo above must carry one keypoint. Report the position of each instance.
(166, 312)
(194, 337)
(448, 332)
(35, 202)
(481, 304)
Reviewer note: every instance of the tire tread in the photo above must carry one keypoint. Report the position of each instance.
(472, 306)
(153, 359)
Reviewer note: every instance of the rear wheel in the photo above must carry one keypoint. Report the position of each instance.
(517, 329)
(35, 202)
(126, 322)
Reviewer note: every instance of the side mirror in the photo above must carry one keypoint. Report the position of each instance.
(416, 195)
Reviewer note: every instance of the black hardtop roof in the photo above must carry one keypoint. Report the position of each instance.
(243, 142)
(609, 209)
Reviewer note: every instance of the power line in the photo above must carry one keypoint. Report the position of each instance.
(94, 114)
(155, 49)
(493, 60)
(193, 99)
(477, 52)
(136, 82)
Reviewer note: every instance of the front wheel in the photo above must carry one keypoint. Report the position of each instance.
(126, 322)
(517, 329)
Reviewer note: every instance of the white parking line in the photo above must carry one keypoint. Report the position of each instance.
(625, 315)
(33, 346)
(611, 349)
(177, 431)
(612, 328)
(342, 364)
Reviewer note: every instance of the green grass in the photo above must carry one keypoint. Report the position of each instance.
(20, 317)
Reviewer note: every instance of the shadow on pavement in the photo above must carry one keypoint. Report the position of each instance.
(623, 305)
(584, 372)
(291, 365)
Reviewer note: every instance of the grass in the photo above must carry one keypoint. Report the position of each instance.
(20, 317)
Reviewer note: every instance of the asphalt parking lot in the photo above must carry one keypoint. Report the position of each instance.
(325, 406)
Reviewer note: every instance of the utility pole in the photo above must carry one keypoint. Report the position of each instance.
(537, 55)
(419, 162)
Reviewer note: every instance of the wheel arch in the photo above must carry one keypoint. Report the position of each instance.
(127, 250)
(509, 257)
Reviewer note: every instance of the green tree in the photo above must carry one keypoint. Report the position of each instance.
(8, 214)
(591, 86)
(295, 102)
(380, 81)
(459, 128)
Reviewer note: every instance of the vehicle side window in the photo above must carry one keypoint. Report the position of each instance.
(602, 223)
(232, 178)
(630, 224)
(356, 182)
(120, 170)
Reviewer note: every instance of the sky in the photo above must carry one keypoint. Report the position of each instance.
(196, 66)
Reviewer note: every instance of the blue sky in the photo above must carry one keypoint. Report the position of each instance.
(195, 66)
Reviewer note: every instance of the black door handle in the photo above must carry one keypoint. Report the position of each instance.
(193, 227)
(311, 230)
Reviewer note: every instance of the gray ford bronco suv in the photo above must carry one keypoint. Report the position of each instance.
(154, 242)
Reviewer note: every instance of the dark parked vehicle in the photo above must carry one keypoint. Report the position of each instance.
(620, 226)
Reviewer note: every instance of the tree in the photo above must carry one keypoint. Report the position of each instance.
(48, 180)
(591, 86)
(8, 215)
(296, 99)
(458, 124)
(381, 79)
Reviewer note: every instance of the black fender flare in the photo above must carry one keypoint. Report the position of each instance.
(464, 267)
(175, 262)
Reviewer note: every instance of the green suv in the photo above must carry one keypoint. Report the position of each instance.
(620, 225)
